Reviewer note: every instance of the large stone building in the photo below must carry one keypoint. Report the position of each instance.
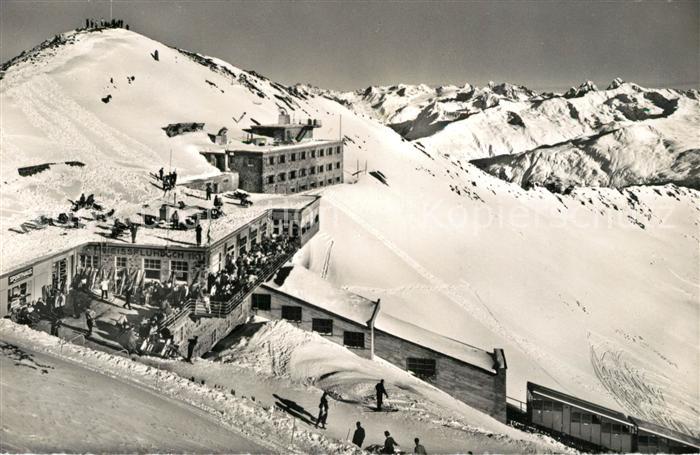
(282, 158)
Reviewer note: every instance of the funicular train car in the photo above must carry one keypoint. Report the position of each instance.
(596, 428)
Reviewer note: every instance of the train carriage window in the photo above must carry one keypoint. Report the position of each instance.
(537, 404)
(643, 439)
(575, 417)
(547, 405)
(606, 427)
(616, 428)
(558, 407)
(585, 419)
(596, 420)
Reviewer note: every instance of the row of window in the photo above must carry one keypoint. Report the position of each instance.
(422, 368)
(292, 175)
(579, 417)
(294, 156)
(152, 267)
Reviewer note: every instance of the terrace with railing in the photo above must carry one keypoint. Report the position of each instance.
(221, 308)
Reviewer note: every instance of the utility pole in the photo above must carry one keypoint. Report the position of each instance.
(110, 11)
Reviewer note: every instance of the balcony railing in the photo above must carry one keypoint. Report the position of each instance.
(222, 308)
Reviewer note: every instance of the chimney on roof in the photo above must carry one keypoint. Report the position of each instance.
(283, 117)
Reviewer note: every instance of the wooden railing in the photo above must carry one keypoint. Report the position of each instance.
(222, 308)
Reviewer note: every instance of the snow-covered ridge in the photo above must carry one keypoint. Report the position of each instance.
(557, 141)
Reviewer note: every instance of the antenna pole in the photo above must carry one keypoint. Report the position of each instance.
(110, 11)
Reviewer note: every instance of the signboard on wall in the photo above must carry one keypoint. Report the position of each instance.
(146, 252)
(19, 276)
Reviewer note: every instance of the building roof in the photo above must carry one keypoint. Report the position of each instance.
(577, 402)
(435, 342)
(301, 283)
(658, 430)
(52, 240)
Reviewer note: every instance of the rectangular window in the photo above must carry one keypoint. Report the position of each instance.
(320, 169)
(303, 156)
(282, 159)
(120, 262)
(313, 153)
(261, 302)
(271, 160)
(337, 165)
(536, 404)
(320, 152)
(87, 260)
(302, 172)
(329, 167)
(291, 313)
(337, 180)
(270, 179)
(152, 269)
(302, 188)
(354, 339)
(322, 326)
(292, 175)
(423, 368)
(606, 427)
(337, 150)
(585, 419)
(282, 177)
(312, 170)
(294, 156)
(330, 181)
(595, 419)
(616, 428)
(575, 417)
(180, 269)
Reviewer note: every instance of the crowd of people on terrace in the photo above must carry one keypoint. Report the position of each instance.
(244, 271)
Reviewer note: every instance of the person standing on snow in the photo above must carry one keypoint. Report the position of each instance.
(127, 298)
(389, 443)
(208, 191)
(160, 174)
(381, 393)
(359, 436)
(191, 344)
(104, 286)
(322, 411)
(90, 321)
(198, 233)
(133, 228)
(419, 449)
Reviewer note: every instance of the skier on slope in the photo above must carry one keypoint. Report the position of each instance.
(381, 393)
(322, 411)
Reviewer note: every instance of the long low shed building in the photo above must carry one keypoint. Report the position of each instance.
(474, 376)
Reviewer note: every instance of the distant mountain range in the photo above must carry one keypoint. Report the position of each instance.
(621, 136)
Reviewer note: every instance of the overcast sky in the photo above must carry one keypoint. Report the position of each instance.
(350, 45)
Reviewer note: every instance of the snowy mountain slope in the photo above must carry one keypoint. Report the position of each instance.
(556, 280)
(216, 420)
(556, 138)
(541, 275)
(91, 412)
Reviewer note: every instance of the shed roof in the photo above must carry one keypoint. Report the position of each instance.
(299, 282)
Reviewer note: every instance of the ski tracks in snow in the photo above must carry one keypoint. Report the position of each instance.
(479, 310)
